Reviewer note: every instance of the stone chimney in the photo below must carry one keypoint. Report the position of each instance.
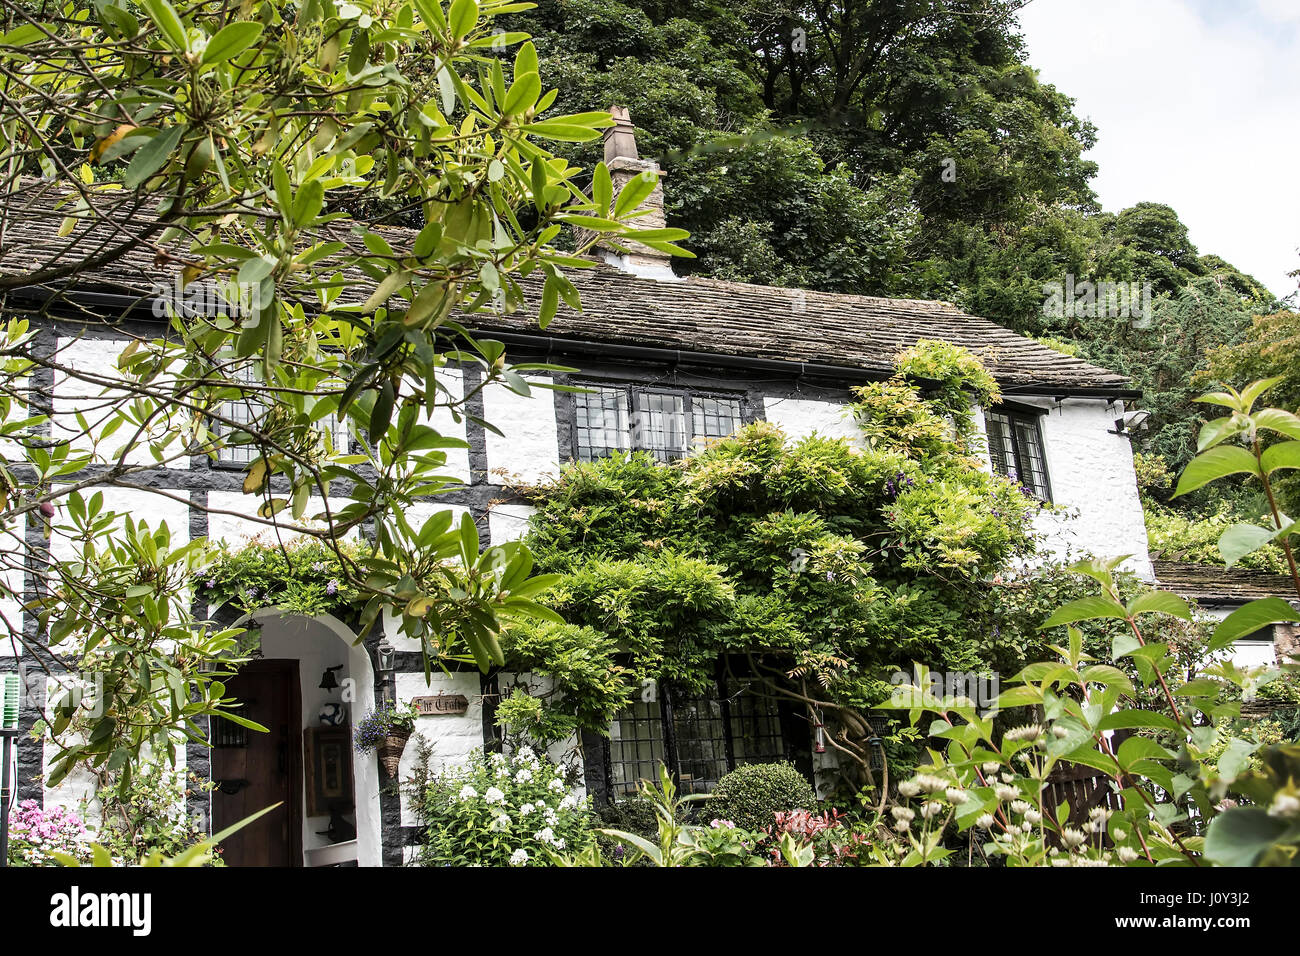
(625, 164)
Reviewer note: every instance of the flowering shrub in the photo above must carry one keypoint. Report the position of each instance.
(35, 835)
(503, 811)
(303, 577)
(150, 816)
(831, 835)
(387, 720)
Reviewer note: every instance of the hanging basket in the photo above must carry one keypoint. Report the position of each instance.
(390, 751)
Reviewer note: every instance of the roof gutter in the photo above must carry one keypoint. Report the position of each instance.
(556, 345)
(1113, 392)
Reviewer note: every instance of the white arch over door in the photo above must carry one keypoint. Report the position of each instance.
(317, 643)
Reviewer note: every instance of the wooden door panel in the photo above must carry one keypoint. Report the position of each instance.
(254, 770)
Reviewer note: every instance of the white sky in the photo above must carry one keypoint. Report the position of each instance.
(1196, 104)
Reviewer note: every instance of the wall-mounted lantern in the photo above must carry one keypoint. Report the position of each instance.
(387, 655)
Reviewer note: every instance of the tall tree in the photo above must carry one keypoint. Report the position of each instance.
(239, 149)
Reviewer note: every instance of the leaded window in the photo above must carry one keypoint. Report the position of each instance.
(248, 410)
(699, 738)
(1016, 450)
(663, 423)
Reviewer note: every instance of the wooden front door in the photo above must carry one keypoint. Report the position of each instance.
(253, 770)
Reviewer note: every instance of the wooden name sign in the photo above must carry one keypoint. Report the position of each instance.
(440, 705)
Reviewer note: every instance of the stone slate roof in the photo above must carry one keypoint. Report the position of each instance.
(692, 315)
(1211, 584)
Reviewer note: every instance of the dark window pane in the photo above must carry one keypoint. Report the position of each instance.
(701, 742)
(1016, 450)
(601, 423)
(755, 725)
(715, 417)
(660, 425)
(636, 747)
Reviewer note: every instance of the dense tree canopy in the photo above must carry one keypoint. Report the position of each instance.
(895, 147)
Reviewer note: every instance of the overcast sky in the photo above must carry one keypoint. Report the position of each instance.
(1197, 105)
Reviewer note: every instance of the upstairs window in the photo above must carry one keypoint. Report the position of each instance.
(1016, 449)
(663, 423)
(249, 410)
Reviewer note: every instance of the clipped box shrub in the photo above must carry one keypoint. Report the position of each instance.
(752, 794)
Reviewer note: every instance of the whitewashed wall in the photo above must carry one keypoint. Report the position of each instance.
(1093, 482)
(98, 357)
(455, 738)
(528, 449)
(801, 417)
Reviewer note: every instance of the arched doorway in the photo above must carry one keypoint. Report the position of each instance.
(330, 801)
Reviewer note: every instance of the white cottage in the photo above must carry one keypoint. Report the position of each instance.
(667, 360)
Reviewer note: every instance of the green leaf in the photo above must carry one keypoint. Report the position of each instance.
(602, 189)
(1201, 687)
(231, 40)
(1130, 719)
(1159, 602)
(1108, 675)
(565, 132)
(164, 15)
(150, 157)
(382, 413)
(550, 302)
(1140, 748)
(1216, 463)
(1255, 389)
(1282, 455)
(637, 190)
(1087, 609)
(1236, 757)
(462, 17)
(1250, 618)
(522, 94)
(1240, 540)
(468, 540)
(1238, 837)
(1278, 420)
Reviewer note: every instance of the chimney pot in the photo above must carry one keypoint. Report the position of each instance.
(625, 164)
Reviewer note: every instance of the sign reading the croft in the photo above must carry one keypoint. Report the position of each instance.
(440, 705)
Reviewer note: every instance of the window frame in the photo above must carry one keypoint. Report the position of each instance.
(631, 412)
(1024, 415)
(339, 435)
(794, 742)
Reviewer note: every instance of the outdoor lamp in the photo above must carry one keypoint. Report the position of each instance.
(387, 654)
(819, 732)
(327, 680)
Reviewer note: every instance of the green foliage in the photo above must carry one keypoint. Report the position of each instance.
(300, 577)
(676, 842)
(823, 564)
(1187, 755)
(1175, 536)
(262, 151)
(501, 811)
(752, 794)
(151, 816)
